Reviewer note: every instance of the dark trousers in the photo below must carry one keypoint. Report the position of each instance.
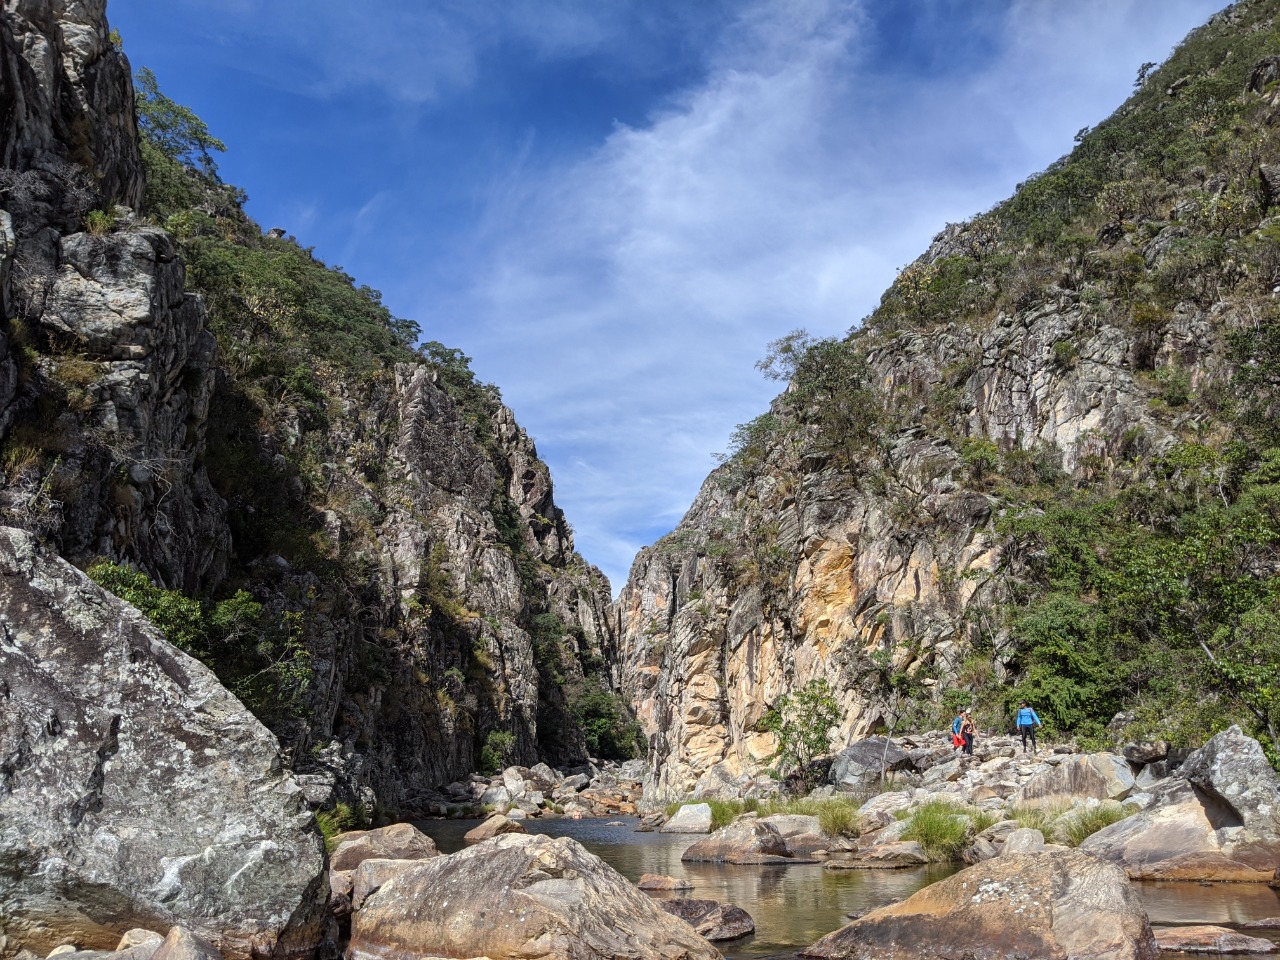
(968, 744)
(1028, 730)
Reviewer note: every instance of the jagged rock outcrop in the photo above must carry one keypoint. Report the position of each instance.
(134, 790)
(1216, 818)
(418, 586)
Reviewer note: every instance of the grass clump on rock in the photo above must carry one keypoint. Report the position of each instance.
(940, 828)
(1080, 824)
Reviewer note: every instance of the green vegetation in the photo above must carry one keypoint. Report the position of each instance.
(496, 752)
(837, 816)
(1038, 816)
(259, 657)
(802, 721)
(941, 829)
(1078, 826)
(341, 819)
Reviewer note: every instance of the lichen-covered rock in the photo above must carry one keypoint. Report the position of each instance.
(531, 897)
(1055, 905)
(137, 792)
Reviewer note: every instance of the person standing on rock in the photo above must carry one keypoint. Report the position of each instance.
(957, 741)
(1028, 720)
(967, 732)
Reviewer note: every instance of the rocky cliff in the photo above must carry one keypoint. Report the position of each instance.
(354, 534)
(1040, 468)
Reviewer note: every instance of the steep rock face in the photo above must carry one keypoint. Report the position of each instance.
(68, 95)
(134, 790)
(418, 586)
(855, 535)
(898, 570)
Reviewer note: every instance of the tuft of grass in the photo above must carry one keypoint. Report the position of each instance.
(940, 828)
(1078, 827)
(723, 812)
(343, 817)
(99, 223)
(1038, 816)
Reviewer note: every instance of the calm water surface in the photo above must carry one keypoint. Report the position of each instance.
(794, 906)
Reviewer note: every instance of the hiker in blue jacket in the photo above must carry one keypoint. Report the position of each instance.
(1027, 723)
(956, 724)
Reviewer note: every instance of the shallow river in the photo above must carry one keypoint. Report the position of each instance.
(794, 906)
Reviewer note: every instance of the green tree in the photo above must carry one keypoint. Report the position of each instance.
(802, 721)
(173, 128)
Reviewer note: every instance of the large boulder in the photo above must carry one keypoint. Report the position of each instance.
(1216, 818)
(1054, 905)
(690, 818)
(531, 897)
(399, 841)
(495, 826)
(743, 841)
(135, 791)
(1096, 776)
(862, 764)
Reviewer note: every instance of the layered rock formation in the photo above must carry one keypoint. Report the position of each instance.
(855, 534)
(417, 585)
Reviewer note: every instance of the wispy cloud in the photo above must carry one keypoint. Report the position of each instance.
(629, 294)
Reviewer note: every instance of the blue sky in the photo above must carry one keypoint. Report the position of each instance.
(613, 206)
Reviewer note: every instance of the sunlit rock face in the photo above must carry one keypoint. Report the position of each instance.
(800, 571)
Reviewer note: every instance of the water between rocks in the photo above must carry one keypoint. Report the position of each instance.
(793, 906)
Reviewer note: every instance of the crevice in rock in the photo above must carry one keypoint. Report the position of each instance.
(91, 802)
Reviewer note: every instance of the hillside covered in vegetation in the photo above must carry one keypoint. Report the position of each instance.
(1047, 466)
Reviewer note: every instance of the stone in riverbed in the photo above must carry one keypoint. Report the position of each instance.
(1211, 939)
(893, 855)
(1100, 776)
(182, 944)
(494, 826)
(712, 919)
(531, 897)
(656, 881)
(400, 841)
(1052, 905)
(691, 818)
(746, 841)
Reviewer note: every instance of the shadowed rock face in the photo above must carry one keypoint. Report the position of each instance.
(531, 897)
(713, 920)
(135, 791)
(1055, 905)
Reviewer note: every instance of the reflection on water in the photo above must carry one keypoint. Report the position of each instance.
(1223, 904)
(794, 906)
